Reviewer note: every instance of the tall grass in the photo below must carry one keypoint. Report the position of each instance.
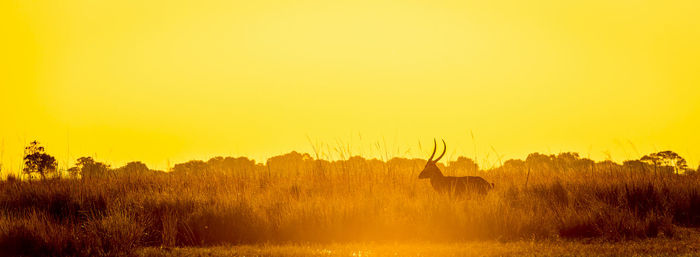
(297, 199)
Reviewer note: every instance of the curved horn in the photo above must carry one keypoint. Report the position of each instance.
(434, 148)
(443, 151)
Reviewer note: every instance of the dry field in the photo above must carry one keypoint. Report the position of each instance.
(297, 206)
(688, 245)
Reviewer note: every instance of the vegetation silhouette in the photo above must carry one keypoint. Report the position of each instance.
(667, 159)
(93, 209)
(37, 161)
(456, 186)
(91, 169)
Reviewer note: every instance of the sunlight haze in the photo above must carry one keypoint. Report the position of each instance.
(169, 81)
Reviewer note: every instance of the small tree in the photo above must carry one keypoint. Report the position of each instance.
(636, 166)
(89, 168)
(464, 164)
(133, 169)
(74, 172)
(668, 159)
(652, 159)
(37, 161)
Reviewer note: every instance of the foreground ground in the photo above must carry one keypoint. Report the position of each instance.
(558, 203)
(687, 244)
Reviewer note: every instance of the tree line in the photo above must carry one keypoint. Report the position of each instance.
(38, 163)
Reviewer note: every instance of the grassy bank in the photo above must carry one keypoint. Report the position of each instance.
(688, 245)
(355, 201)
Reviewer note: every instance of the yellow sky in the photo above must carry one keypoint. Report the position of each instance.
(163, 81)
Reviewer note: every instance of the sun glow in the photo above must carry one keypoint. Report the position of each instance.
(170, 81)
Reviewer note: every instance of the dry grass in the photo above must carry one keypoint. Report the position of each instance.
(684, 246)
(299, 200)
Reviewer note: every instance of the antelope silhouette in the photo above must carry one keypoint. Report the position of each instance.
(452, 185)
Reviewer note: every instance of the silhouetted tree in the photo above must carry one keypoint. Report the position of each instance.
(636, 166)
(190, 168)
(567, 159)
(74, 172)
(231, 165)
(608, 166)
(464, 164)
(133, 168)
(539, 161)
(514, 165)
(37, 161)
(136, 169)
(89, 168)
(573, 162)
(666, 158)
(292, 163)
(397, 164)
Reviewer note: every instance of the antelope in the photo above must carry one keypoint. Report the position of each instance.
(452, 185)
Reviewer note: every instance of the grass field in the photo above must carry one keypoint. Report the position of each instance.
(549, 205)
(688, 245)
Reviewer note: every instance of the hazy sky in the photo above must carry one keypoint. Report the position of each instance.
(163, 81)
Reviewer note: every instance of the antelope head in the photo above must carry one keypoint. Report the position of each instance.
(431, 170)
